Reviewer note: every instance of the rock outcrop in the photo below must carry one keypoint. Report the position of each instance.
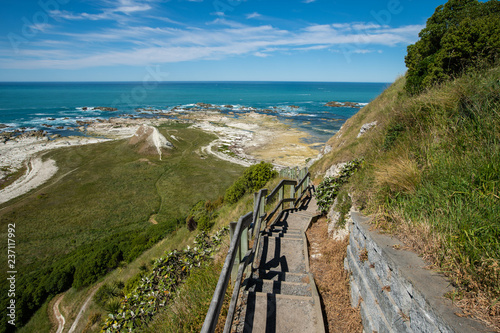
(150, 141)
(334, 104)
(366, 127)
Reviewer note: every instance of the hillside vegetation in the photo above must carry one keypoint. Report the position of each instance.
(105, 207)
(431, 155)
(431, 174)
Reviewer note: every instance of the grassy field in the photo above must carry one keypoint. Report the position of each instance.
(106, 196)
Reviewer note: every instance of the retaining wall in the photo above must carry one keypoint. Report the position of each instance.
(394, 291)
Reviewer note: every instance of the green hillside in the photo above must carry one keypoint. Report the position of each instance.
(431, 175)
(431, 153)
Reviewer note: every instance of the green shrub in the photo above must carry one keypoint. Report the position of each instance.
(253, 179)
(202, 215)
(343, 206)
(393, 133)
(327, 190)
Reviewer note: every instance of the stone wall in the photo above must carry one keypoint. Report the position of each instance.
(394, 290)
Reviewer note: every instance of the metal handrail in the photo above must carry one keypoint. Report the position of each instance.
(252, 220)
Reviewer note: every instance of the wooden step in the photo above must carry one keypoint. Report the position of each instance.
(280, 313)
(283, 276)
(280, 287)
(285, 254)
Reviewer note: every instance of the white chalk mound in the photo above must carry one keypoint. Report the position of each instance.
(150, 141)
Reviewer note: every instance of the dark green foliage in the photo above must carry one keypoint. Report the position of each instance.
(344, 204)
(235, 192)
(327, 190)
(460, 34)
(95, 217)
(202, 216)
(84, 266)
(107, 292)
(253, 179)
(393, 132)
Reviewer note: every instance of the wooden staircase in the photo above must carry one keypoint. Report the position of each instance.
(280, 295)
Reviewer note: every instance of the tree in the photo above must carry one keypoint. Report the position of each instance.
(460, 34)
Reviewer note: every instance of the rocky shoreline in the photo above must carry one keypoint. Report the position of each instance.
(245, 139)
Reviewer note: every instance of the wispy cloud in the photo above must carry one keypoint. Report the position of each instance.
(143, 44)
(110, 11)
(253, 15)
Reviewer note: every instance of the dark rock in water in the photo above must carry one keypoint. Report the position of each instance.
(85, 108)
(228, 106)
(60, 127)
(3, 126)
(335, 104)
(204, 105)
(83, 123)
(46, 125)
(106, 108)
(51, 118)
(294, 106)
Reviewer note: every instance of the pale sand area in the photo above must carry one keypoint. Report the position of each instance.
(248, 139)
(255, 137)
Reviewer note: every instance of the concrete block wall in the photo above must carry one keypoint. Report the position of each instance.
(394, 291)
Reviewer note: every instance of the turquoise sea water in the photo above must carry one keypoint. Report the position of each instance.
(34, 105)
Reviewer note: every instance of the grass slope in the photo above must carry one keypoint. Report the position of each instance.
(103, 196)
(432, 175)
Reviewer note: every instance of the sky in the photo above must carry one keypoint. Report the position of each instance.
(208, 40)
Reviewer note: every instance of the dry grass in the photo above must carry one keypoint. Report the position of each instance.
(332, 280)
(400, 174)
(422, 239)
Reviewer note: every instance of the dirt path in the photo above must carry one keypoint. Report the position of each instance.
(59, 317)
(83, 308)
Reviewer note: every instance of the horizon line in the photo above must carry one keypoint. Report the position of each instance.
(201, 81)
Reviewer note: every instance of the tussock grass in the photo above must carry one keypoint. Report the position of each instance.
(432, 176)
(400, 175)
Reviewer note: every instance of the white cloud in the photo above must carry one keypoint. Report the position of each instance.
(142, 45)
(253, 15)
(111, 12)
(308, 1)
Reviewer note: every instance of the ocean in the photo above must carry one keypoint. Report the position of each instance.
(57, 107)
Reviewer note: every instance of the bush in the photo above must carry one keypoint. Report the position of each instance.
(253, 179)
(460, 34)
(328, 189)
(202, 215)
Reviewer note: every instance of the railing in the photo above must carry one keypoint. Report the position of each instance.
(250, 226)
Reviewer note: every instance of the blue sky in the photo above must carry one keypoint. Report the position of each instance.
(208, 40)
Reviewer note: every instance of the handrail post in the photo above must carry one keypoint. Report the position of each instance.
(257, 210)
(237, 258)
(281, 193)
(262, 210)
